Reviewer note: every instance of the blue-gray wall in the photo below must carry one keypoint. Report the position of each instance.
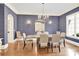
(2, 20)
(52, 28)
(6, 12)
(62, 19)
(30, 28)
(27, 28)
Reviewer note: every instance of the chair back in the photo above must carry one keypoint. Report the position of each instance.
(24, 35)
(63, 34)
(43, 38)
(38, 33)
(18, 34)
(46, 33)
(57, 32)
(56, 38)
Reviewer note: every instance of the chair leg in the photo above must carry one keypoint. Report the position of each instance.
(64, 42)
(52, 47)
(24, 45)
(32, 44)
(47, 49)
(38, 45)
(48, 46)
(59, 48)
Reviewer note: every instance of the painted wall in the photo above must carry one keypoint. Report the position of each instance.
(52, 28)
(62, 19)
(6, 12)
(30, 28)
(23, 26)
(2, 20)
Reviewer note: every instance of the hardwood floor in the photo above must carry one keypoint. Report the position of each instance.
(16, 49)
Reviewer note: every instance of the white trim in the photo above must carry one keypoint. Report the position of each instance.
(11, 7)
(18, 39)
(13, 41)
(4, 46)
(72, 42)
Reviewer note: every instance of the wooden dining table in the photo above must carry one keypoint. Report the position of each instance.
(35, 39)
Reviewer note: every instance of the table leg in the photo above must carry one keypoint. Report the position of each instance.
(24, 44)
(64, 42)
(35, 46)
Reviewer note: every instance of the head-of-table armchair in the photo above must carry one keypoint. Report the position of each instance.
(27, 40)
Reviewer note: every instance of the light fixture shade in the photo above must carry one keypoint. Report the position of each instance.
(28, 21)
(43, 17)
(50, 22)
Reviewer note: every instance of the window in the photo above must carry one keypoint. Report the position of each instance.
(77, 23)
(72, 24)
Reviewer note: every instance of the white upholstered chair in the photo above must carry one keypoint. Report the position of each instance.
(43, 42)
(27, 40)
(58, 32)
(19, 35)
(46, 33)
(63, 34)
(55, 41)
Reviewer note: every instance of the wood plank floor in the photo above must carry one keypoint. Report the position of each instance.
(15, 49)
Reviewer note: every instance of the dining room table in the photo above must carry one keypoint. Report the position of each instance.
(36, 38)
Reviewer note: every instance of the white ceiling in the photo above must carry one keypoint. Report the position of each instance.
(54, 9)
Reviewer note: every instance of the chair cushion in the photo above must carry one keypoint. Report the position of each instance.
(43, 44)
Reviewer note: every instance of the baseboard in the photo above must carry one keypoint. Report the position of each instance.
(4, 46)
(72, 42)
(14, 41)
(18, 39)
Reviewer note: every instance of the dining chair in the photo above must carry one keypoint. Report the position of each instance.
(18, 35)
(43, 42)
(27, 40)
(38, 33)
(58, 32)
(63, 37)
(46, 33)
(55, 41)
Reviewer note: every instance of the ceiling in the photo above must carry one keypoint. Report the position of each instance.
(54, 9)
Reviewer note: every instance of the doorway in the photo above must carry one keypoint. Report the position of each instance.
(10, 28)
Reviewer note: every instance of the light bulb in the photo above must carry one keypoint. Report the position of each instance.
(28, 22)
(50, 22)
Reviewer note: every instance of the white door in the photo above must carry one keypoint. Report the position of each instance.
(10, 28)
